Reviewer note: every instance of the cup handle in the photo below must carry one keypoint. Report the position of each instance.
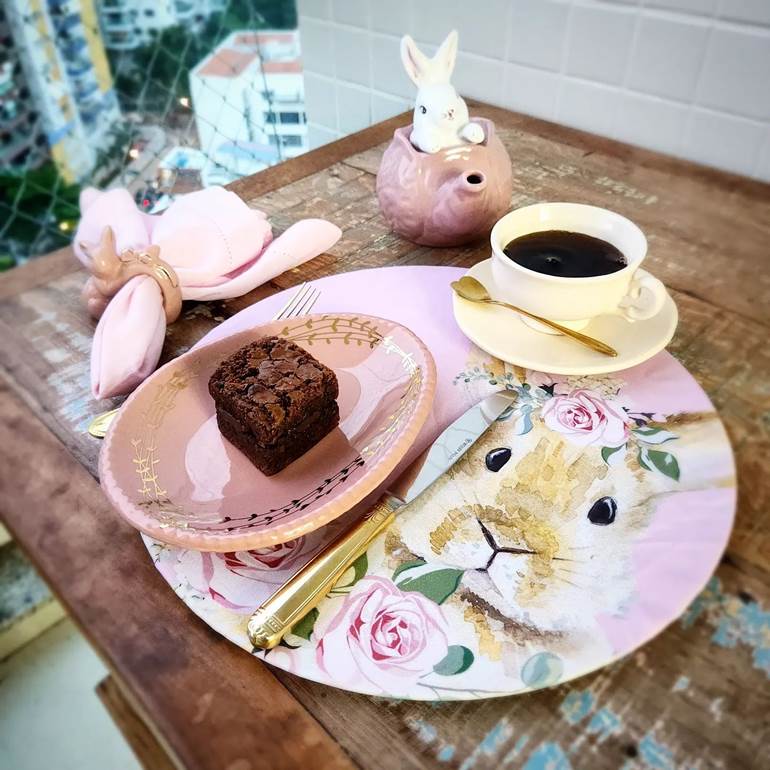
(645, 297)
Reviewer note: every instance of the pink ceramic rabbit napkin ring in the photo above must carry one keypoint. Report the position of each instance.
(111, 271)
(213, 246)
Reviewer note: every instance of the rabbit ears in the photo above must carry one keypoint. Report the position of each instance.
(423, 70)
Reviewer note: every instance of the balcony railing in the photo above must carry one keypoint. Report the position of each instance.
(19, 141)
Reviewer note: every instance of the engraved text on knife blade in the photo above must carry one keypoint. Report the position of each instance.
(452, 444)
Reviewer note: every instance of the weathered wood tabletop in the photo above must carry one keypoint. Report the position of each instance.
(698, 696)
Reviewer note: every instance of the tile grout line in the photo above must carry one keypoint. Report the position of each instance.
(694, 101)
(624, 88)
(563, 63)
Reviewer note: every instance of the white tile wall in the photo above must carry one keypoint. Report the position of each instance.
(538, 32)
(483, 23)
(319, 135)
(530, 90)
(318, 9)
(393, 17)
(703, 7)
(746, 10)
(590, 106)
(736, 73)
(685, 77)
(718, 138)
(667, 57)
(350, 12)
(351, 55)
(317, 48)
(599, 42)
(321, 99)
(353, 108)
(764, 158)
(655, 123)
(478, 78)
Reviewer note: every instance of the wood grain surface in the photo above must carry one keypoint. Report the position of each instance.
(698, 696)
(146, 747)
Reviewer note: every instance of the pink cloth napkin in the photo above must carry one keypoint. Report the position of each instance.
(216, 244)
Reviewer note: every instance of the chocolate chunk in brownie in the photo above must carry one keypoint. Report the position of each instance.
(274, 401)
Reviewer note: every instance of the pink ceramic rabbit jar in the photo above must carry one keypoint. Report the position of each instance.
(446, 198)
(446, 179)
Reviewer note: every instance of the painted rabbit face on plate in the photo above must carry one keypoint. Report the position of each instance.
(543, 521)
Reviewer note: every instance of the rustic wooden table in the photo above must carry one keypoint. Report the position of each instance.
(698, 696)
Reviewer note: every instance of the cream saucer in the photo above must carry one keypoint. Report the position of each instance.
(503, 334)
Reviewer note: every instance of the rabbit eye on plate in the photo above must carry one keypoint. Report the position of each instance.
(496, 458)
(603, 511)
(422, 109)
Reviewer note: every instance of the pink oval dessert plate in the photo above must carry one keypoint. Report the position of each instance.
(167, 469)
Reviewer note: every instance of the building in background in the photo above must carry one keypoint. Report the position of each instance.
(248, 98)
(62, 127)
(60, 74)
(22, 140)
(129, 24)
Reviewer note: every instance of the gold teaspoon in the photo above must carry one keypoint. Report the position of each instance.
(474, 291)
(99, 425)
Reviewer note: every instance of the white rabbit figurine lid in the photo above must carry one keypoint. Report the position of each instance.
(440, 114)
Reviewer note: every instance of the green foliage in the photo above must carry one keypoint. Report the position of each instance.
(38, 201)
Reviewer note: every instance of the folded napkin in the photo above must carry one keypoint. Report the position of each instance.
(215, 244)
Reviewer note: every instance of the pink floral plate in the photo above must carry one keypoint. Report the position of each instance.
(581, 525)
(169, 472)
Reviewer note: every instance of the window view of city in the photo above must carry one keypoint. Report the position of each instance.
(159, 96)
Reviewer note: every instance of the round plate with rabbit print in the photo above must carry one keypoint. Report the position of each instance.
(582, 524)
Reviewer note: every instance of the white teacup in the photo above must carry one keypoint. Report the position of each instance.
(630, 292)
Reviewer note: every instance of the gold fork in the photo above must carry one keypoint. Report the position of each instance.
(300, 303)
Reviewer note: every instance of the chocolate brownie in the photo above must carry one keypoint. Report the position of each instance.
(274, 401)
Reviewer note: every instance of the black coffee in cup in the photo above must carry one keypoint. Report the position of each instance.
(565, 254)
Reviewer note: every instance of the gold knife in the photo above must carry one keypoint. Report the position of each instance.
(305, 590)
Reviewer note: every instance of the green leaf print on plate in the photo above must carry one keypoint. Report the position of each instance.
(304, 627)
(457, 660)
(438, 585)
(664, 462)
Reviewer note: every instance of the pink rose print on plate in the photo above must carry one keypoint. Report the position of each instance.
(586, 418)
(236, 580)
(388, 636)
